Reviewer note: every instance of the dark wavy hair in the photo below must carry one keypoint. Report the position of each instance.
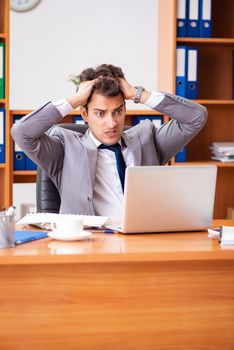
(107, 83)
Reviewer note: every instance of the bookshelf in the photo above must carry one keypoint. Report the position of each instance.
(215, 87)
(5, 168)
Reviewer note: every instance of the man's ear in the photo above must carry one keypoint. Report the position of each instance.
(84, 114)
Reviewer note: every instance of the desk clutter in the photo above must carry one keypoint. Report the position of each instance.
(225, 235)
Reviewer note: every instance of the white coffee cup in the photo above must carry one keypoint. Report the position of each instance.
(69, 226)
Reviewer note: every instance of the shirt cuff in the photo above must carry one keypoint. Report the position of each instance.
(154, 99)
(63, 107)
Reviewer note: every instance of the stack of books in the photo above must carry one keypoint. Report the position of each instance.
(223, 151)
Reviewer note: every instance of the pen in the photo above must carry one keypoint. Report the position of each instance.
(104, 231)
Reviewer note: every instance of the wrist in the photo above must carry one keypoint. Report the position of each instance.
(75, 101)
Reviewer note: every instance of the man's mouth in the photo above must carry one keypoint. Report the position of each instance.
(111, 133)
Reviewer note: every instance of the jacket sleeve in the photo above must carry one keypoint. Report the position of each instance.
(188, 118)
(29, 134)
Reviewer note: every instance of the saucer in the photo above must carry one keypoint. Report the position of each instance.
(65, 237)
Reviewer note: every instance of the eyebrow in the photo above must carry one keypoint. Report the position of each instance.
(104, 110)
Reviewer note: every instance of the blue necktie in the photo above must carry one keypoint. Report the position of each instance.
(120, 163)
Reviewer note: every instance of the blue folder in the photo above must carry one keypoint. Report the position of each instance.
(78, 120)
(19, 158)
(2, 135)
(157, 120)
(205, 22)
(181, 156)
(182, 18)
(193, 18)
(192, 63)
(181, 70)
(28, 236)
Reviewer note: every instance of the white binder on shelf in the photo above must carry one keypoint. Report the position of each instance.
(193, 18)
(191, 84)
(181, 18)
(2, 135)
(181, 68)
(205, 22)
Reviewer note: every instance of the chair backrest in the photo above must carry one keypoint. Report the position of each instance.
(47, 196)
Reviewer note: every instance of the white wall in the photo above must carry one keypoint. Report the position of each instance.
(61, 37)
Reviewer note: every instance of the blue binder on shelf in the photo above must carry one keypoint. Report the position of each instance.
(181, 69)
(78, 120)
(181, 156)
(157, 120)
(181, 18)
(30, 165)
(205, 22)
(19, 158)
(191, 84)
(2, 64)
(2, 135)
(193, 18)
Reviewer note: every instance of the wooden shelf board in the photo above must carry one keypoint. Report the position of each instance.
(24, 172)
(2, 165)
(208, 162)
(2, 36)
(215, 102)
(222, 41)
(2, 100)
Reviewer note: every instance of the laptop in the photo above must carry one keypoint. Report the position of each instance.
(168, 199)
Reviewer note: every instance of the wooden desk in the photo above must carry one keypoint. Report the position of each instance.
(153, 291)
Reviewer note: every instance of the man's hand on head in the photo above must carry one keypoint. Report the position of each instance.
(129, 91)
(82, 95)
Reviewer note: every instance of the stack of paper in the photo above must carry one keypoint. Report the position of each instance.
(227, 235)
(223, 151)
(41, 219)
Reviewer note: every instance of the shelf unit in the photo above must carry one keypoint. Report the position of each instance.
(5, 169)
(215, 87)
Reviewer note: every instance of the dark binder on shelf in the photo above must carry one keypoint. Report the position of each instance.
(181, 69)
(193, 18)
(157, 120)
(181, 156)
(78, 120)
(19, 162)
(205, 22)
(181, 18)
(2, 135)
(192, 61)
(2, 71)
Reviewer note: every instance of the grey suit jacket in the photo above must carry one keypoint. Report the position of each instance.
(70, 158)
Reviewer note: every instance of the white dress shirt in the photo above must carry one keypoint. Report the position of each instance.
(108, 194)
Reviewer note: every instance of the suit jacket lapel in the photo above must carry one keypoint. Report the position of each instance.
(91, 153)
(133, 143)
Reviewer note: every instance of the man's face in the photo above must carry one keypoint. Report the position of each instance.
(105, 116)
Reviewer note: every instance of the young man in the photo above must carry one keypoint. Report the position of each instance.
(89, 176)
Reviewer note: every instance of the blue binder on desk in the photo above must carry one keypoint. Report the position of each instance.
(181, 18)
(157, 120)
(181, 70)
(2, 135)
(205, 23)
(193, 18)
(19, 156)
(191, 84)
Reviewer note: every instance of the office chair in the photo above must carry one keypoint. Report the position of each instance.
(47, 196)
